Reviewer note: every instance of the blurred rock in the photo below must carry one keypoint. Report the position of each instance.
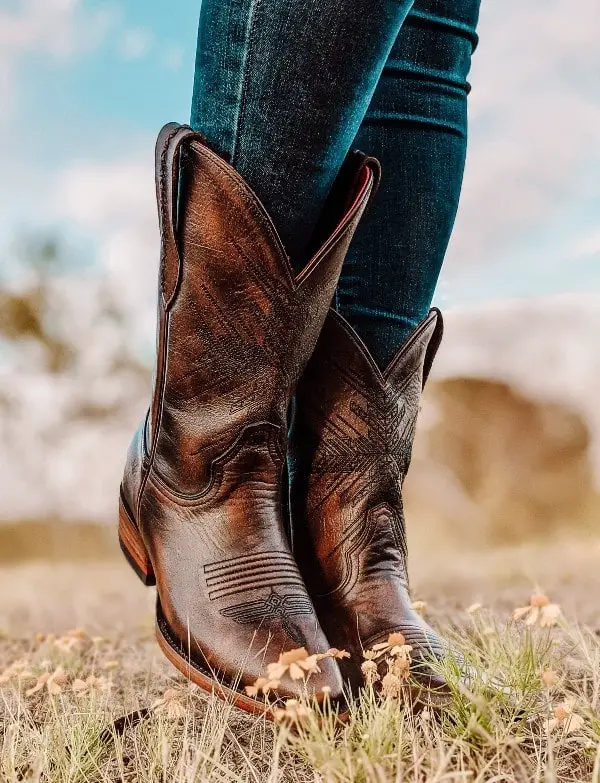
(491, 464)
(547, 348)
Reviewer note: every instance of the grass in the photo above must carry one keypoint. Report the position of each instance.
(480, 735)
(60, 698)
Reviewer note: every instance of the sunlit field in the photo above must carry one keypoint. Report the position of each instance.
(85, 695)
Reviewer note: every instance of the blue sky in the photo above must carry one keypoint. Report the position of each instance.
(119, 72)
(141, 73)
(84, 87)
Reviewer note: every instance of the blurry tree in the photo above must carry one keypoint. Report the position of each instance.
(72, 387)
(35, 307)
(25, 314)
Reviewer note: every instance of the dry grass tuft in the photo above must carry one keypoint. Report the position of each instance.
(530, 712)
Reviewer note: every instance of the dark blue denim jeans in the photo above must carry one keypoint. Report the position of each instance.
(285, 88)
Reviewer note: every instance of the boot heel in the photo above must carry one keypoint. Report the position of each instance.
(133, 547)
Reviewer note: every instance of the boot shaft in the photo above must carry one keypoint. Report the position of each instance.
(236, 326)
(350, 450)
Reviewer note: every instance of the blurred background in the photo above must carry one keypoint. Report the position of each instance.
(507, 459)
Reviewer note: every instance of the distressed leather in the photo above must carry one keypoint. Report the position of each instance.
(349, 453)
(203, 479)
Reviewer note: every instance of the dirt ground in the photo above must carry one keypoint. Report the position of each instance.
(105, 596)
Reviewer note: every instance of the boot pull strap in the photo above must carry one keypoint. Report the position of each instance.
(167, 156)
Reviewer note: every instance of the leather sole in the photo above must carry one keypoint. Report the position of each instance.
(136, 555)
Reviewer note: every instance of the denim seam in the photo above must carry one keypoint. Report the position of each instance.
(243, 91)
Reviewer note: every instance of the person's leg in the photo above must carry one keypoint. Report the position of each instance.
(416, 125)
(280, 90)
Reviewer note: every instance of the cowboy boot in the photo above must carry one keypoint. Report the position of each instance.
(350, 450)
(200, 502)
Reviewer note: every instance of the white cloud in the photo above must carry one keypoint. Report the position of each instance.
(95, 194)
(114, 203)
(58, 28)
(535, 123)
(173, 58)
(135, 43)
(587, 246)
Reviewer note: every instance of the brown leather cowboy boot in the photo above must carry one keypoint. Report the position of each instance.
(200, 504)
(350, 450)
